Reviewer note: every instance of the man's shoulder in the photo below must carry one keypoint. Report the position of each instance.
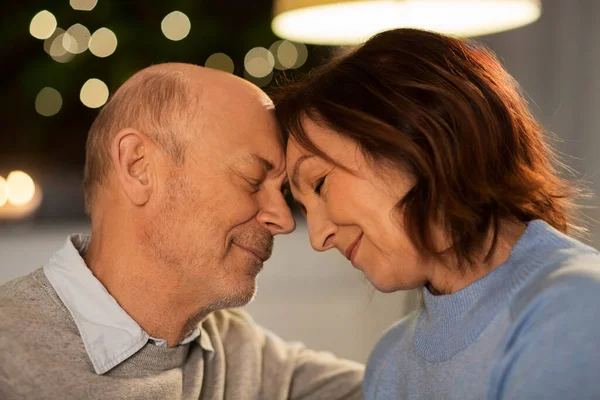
(29, 309)
(236, 332)
(32, 291)
(231, 323)
(258, 355)
(21, 283)
(22, 294)
(38, 340)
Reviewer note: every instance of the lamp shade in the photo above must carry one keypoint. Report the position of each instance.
(335, 22)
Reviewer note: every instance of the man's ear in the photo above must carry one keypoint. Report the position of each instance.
(131, 154)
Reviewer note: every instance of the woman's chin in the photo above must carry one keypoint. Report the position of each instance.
(387, 284)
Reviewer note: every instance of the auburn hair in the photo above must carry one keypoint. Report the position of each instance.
(446, 111)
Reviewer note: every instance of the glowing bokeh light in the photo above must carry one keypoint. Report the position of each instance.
(65, 58)
(259, 62)
(77, 39)
(220, 61)
(176, 26)
(58, 51)
(49, 41)
(48, 102)
(287, 54)
(83, 5)
(302, 55)
(94, 93)
(54, 47)
(273, 49)
(21, 188)
(103, 43)
(3, 191)
(42, 25)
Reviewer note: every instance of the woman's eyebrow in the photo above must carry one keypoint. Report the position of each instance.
(296, 169)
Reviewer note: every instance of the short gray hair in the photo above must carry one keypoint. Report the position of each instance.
(155, 102)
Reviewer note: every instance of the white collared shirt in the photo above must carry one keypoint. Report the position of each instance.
(109, 334)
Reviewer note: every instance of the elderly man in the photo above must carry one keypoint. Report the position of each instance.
(183, 180)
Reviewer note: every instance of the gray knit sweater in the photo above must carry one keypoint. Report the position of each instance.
(42, 356)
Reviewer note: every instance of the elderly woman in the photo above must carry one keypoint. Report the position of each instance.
(417, 158)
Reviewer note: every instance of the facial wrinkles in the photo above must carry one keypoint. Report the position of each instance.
(257, 237)
(267, 173)
(162, 238)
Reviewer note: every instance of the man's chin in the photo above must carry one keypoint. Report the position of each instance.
(254, 269)
(249, 297)
(239, 287)
(240, 295)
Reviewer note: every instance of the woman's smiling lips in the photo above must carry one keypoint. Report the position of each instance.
(352, 248)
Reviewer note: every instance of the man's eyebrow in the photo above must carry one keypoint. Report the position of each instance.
(296, 169)
(253, 158)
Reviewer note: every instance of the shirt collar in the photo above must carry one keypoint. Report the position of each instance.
(109, 334)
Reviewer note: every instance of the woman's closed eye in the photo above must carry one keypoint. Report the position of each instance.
(318, 185)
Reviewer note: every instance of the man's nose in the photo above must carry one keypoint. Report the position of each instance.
(275, 215)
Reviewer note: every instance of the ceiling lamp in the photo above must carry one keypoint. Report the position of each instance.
(335, 22)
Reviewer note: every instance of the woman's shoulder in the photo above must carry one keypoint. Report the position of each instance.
(551, 348)
(576, 275)
(551, 265)
(560, 303)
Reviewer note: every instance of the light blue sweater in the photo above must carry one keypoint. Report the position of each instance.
(530, 329)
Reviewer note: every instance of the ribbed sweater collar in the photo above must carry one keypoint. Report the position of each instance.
(450, 323)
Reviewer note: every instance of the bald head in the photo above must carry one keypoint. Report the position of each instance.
(158, 101)
(183, 178)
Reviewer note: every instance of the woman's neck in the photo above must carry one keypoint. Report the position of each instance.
(448, 277)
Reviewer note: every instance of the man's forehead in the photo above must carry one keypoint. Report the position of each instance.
(269, 157)
(239, 119)
(245, 121)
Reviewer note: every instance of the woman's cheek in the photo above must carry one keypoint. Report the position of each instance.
(336, 205)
